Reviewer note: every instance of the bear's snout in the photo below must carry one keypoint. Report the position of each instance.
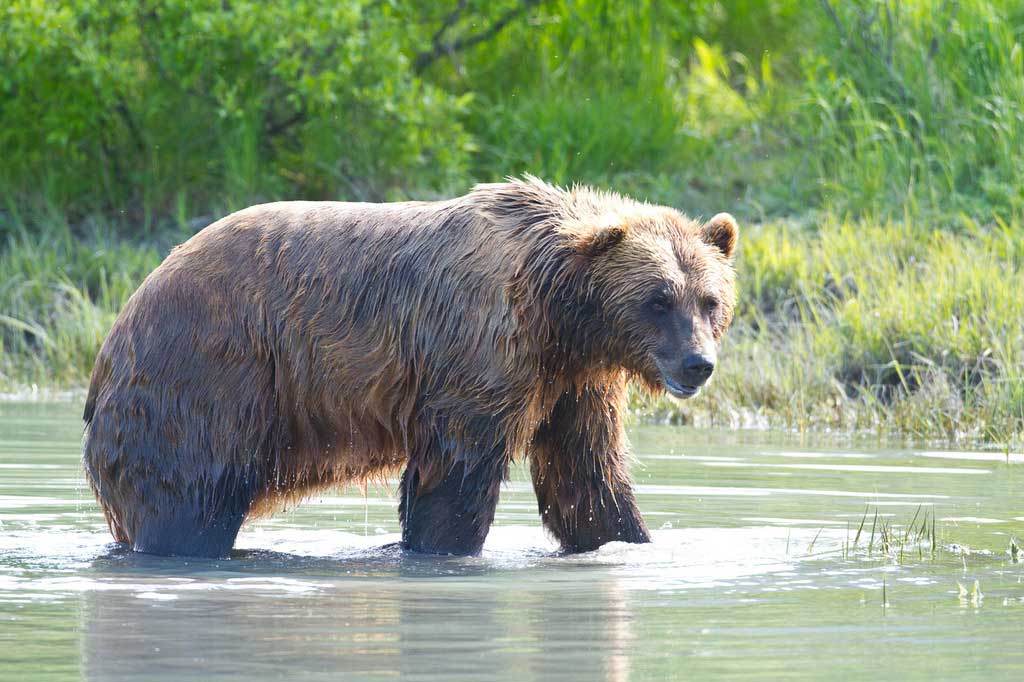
(697, 369)
(694, 371)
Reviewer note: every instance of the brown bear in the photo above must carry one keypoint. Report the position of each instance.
(294, 346)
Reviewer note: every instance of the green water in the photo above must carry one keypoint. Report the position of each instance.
(752, 574)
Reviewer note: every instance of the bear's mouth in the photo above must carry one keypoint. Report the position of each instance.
(679, 390)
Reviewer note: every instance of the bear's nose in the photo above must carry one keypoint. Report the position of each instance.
(697, 369)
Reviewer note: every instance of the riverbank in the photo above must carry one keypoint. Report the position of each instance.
(872, 152)
(842, 325)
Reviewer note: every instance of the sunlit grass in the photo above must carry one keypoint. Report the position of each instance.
(873, 152)
(843, 325)
(892, 540)
(59, 295)
(879, 536)
(892, 327)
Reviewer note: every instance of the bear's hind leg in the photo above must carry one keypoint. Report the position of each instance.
(203, 524)
(180, 429)
(180, 532)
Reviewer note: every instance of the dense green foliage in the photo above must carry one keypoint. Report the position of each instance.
(174, 105)
(169, 108)
(878, 145)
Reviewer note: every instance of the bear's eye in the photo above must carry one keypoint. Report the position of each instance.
(709, 304)
(659, 303)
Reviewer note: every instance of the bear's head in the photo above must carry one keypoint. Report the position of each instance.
(663, 288)
(609, 282)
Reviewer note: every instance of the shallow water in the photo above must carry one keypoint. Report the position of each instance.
(752, 574)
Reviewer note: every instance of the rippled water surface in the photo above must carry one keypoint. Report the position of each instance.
(754, 572)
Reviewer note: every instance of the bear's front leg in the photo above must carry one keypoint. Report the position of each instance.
(452, 513)
(579, 463)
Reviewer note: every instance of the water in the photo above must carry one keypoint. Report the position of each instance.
(751, 575)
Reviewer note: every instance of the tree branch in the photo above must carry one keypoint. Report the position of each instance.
(274, 128)
(448, 22)
(441, 47)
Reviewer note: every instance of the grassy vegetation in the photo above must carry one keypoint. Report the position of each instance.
(894, 327)
(872, 150)
(59, 294)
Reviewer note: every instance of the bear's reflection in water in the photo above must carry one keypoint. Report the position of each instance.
(265, 615)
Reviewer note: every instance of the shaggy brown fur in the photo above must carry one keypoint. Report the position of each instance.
(295, 346)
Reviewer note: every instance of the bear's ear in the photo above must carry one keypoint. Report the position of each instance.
(721, 232)
(593, 242)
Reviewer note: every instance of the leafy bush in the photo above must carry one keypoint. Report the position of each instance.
(879, 142)
(178, 105)
(170, 108)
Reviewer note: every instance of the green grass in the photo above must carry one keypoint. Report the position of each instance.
(895, 328)
(880, 535)
(845, 325)
(59, 294)
(873, 151)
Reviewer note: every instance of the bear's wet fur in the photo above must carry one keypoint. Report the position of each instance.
(295, 346)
